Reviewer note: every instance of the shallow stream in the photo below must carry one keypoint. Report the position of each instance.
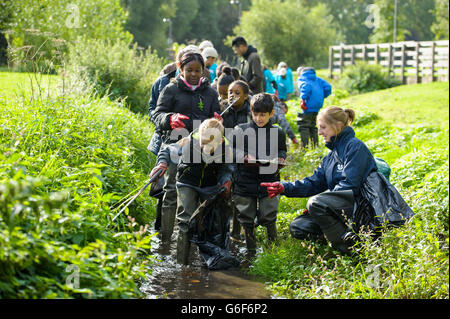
(171, 280)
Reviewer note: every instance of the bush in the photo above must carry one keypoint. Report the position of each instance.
(38, 32)
(363, 77)
(64, 162)
(115, 69)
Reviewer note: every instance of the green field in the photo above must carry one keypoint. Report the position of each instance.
(17, 84)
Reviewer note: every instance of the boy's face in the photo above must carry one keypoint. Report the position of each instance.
(262, 118)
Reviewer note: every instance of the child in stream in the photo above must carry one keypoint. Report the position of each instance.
(202, 170)
(257, 139)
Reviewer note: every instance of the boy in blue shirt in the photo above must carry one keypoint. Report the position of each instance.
(313, 90)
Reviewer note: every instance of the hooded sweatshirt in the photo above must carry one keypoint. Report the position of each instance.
(251, 70)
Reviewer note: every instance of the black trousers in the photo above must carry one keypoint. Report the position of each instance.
(306, 124)
(327, 216)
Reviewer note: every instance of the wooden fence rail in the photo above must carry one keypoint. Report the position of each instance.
(410, 61)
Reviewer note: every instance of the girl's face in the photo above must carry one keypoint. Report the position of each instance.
(192, 72)
(223, 92)
(326, 130)
(235, 91)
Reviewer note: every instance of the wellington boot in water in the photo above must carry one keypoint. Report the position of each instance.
(271, 232)
(250, 238)
(183, 248)
(167, 223)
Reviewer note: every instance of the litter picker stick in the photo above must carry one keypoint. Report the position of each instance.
(155, 176)
(138, 193)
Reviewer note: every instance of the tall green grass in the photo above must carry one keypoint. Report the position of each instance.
(64, 162)
(408, 127)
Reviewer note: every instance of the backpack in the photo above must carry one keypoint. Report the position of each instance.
(383, 167)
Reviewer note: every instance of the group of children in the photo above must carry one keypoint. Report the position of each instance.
(184, 96)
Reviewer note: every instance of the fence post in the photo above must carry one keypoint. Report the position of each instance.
(417, 61)
(433, 47)
(352, 54)
(364, 53)
(330, 61)
(389, 59)
(377, 55)
(403, 64)
(341, 62)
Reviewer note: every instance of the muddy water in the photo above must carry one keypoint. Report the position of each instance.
(171, 280)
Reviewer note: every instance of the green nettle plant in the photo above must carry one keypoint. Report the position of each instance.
(64, 162)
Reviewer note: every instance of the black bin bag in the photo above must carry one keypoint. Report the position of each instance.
(209, 227)
(380, 204)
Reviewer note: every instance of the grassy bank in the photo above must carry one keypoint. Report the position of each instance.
(63, 162)
(408, 127)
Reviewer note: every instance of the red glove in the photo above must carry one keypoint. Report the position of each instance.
(226, 192)
(294, 140)
(176, 120)
(303, 105)
(161, 168)
(273, 189)
(218, 117)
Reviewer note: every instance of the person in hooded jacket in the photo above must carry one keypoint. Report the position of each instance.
(313, 90)
(335, 186)
(188, 97)
(251, 68)
(202, 169)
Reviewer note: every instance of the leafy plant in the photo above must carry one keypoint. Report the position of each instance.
(117, 69)
(363, 77)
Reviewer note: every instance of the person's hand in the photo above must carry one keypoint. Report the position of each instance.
(227, 191)
(273, 189)
(303, 105)
(294, 140)
(280, 160)
(250, 161)
(218, 117)
(158, 170)
(176, 120)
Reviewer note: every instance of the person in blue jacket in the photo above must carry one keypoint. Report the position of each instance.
(270, 85)
(335, 185)
(285, 87)
(313, 90)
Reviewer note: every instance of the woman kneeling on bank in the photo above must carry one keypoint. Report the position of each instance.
(335, 185)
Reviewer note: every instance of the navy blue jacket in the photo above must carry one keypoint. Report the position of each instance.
(356, 164)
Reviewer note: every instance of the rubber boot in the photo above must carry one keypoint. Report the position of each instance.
(250, 238)
(335, 235)
(167, 222)
(271, 232)
(236, 227)
(183, 248)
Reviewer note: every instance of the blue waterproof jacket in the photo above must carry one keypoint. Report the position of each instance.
(268, 79)
(313, 90)
(285, 86)
(213, 71)
(349, 173)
